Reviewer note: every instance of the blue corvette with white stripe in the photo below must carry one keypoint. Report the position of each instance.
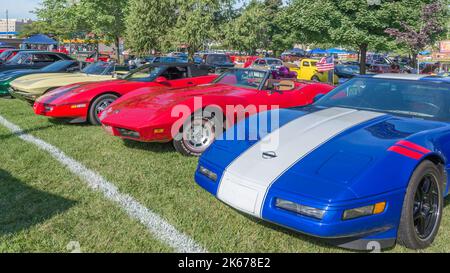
(365, 166)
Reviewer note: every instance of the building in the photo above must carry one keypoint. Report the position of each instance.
(10, 28)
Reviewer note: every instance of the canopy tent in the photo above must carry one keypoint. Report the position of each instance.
(318, 51)
(336, 51)
(426, 52)
(40, 39)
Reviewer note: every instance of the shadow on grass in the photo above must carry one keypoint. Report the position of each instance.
(149, 146)
(325, 243)
(66, 122)
(26, 131)
(23, 207)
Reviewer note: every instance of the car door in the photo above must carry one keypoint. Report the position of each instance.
(282, 93)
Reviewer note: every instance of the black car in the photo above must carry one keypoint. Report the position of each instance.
(217, 61)
(33, 60)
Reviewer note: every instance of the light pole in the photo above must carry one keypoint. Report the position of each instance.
(7, 25)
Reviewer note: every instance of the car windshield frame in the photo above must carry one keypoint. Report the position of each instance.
(152, 76)
(258, 88)
(91, 69)
(19, 56)
(324, 102)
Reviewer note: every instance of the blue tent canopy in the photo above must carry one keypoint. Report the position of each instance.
(336, 51)
(426, 52)
(40, 39)
(318, 51)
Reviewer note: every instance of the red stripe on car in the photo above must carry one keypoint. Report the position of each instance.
(413, 146)
(406, 152)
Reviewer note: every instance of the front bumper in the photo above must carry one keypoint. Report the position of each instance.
(354, 233)
(68, 112)
(145, 134)
(25, 96)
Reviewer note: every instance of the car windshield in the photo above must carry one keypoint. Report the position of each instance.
(274, 62)
(145, 73)
(99, 68)
(5, 55)
(58, 66)
(218, 58)
(246, 78)
(348, 69)
(20, 58)
(419, 99)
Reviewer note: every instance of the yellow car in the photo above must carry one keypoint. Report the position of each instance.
(31, 87)
(307, 70)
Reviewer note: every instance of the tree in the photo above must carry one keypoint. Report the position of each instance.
(428, 30)
(353, 23)
(256, 27)
(196, 22)
(147, 23)
(106, 18)
(62, 18)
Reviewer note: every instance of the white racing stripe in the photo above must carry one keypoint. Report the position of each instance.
(247, 179)
(155, 224)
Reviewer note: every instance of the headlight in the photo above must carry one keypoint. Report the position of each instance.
(211, 175)
(364, 211)
(128, 133)
(300, 209)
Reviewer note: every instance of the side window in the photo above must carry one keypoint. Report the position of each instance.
(306, 64)
(175, 73)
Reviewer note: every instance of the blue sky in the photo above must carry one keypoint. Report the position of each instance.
(18, 8)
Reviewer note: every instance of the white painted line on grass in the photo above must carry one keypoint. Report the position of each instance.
(158, 226)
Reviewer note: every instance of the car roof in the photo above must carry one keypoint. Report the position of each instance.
(409, 77)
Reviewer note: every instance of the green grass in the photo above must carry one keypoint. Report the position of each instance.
(154, 174)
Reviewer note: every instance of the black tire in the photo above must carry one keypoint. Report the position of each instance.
(184, 145)
(315, 79)
(98, 105)
(420, 220)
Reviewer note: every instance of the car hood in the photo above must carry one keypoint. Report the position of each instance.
(145, 104)
(333, 154)
(40, 81)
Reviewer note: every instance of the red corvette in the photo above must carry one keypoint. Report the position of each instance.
(82, 102)
(165, 115)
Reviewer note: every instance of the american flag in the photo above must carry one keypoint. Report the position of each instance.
(325, 64)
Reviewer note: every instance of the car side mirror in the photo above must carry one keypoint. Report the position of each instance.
(161, 79)
(318, 97)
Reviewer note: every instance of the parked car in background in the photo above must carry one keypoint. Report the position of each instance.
(267, 63)
(5, 47)
(306, 69)
(85, 101)
(146, 114)
(366, 163)
(30, 87)
(102, 57)
(57, 67)
(33, 60)
(217, 60)
(341, 74)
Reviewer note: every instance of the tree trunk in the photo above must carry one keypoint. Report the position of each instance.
(191, 53)
(117, 45)
(363, 58)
